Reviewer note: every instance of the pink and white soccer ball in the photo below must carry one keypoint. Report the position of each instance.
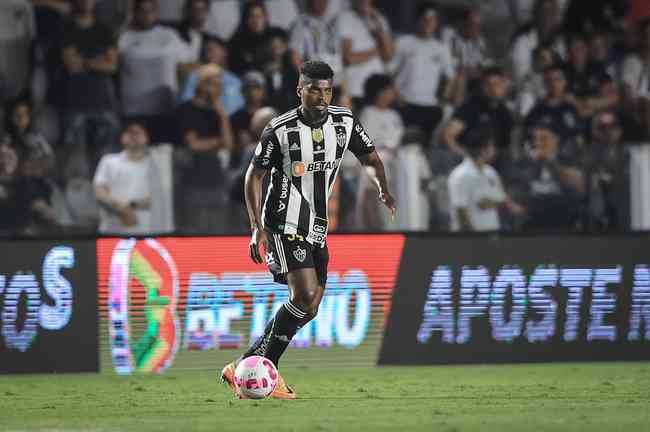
(256, 377)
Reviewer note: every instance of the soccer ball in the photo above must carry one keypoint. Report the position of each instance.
(256, 377)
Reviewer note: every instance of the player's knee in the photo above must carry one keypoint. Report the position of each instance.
(306, 301)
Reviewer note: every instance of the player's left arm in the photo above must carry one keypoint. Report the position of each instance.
(375, 169)
(364, 149)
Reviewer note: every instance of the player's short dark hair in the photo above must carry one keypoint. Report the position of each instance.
(424, 7)
(317, 70)
(374, 85)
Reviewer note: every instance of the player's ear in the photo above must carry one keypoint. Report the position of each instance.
(298, 89)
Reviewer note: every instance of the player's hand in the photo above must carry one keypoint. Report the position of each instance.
(258, 238)
(389, 202)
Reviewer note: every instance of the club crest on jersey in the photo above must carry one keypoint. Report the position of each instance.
(300, 254)
(341, 138)
(317, 135)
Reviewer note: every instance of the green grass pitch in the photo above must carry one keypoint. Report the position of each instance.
(549, 397)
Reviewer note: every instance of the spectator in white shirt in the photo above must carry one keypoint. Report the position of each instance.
(475, 189)
(223, 19)
(314, 36)
(422, 62)
(150, 55)
(385, 126)
(122, 185)
(366, 43)
(545, 28)
(282, 13)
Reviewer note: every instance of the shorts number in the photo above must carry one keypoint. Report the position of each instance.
(293, 237)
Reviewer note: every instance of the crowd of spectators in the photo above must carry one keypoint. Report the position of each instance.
(522, 111)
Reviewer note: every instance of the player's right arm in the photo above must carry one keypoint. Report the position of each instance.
(267, 155)
(253, 193)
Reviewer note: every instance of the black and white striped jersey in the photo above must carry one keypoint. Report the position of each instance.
(304, 162)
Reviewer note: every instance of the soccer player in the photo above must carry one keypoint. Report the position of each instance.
(302, 149)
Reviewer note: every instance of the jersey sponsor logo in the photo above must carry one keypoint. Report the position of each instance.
(300, 254)
(316, 238)
(269, 150)
(341, 138)
(284, 193)
(364, 136)
(300, 168)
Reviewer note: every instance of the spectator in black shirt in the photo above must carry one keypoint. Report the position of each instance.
(607, 167)
(556, 108)
(14, 202)
(205, 132)
(246, 47)
(24, 134)
(254, 88)
(588, 16)
(40, 194)
(604, 50)
(487, 110)
(90, 59)
(553, 185)
(588, 82)
(281, 73)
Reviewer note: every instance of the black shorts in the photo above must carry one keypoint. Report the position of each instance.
(288, 252)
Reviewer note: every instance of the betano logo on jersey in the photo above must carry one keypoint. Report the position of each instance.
(299, 169)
